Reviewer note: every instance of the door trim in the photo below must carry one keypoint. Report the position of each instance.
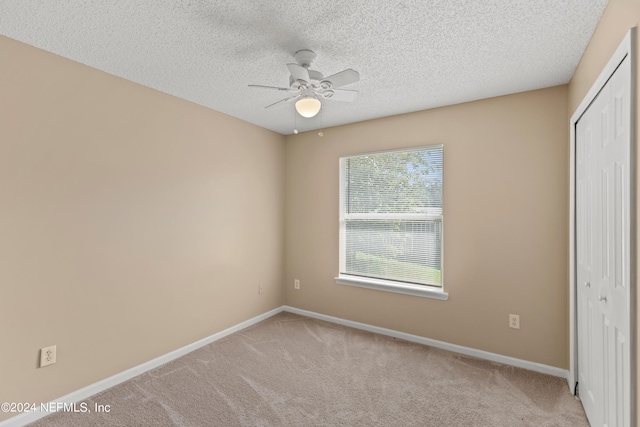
(627, 48)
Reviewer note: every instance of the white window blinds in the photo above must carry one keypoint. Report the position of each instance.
(391, 215)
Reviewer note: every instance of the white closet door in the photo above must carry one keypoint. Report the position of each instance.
(603, 253)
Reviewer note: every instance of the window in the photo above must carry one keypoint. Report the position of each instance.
(391, 221)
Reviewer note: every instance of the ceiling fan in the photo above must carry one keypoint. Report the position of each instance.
(309, 86)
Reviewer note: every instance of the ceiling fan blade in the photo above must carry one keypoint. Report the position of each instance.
(282, 100)
(298, 72)
(344, 77)
(343, 95)
(286, 89)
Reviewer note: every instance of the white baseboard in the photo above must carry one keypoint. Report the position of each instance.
(86, 392)
(481, 354)
(90, 390)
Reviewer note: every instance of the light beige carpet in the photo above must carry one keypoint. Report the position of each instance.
(291, 370)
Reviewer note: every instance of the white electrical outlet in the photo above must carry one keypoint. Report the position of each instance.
(47, 356)
(514, 321)
(296, 284)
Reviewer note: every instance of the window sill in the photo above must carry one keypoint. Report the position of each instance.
(391, 286)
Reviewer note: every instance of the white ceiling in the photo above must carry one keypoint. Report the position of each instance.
(411, 55)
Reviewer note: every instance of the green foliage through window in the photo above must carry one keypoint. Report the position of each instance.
(391, 215)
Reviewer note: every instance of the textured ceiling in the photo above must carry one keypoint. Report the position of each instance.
(411, 55)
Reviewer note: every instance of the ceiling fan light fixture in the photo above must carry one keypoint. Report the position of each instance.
(308, 106)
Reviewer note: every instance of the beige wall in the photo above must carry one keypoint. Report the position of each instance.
(127, 220)
(619, 16)
(505, 224)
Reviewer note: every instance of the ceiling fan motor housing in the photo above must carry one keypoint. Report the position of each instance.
(315, 77)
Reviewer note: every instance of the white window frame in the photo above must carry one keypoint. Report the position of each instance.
(435, 292)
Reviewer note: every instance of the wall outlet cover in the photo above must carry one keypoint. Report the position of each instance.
(47, 356)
